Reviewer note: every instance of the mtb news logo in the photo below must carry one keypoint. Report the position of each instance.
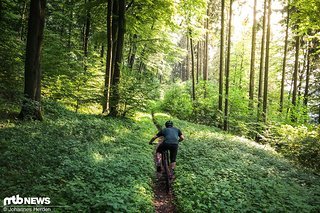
(17, 200)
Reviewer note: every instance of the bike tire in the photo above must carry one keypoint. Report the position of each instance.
(165, 161)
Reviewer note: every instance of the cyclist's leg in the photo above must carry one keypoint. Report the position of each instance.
(173, 155)
(159, 150)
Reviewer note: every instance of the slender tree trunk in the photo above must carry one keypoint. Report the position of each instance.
(226, 106)
(86, 34)
(260, 88)
(107, 80)
(306, 91)
(253, 56)
(198, 63)
(284, 59)
(70, 23)
(31, 106)
(205, 55)
(192, 68)
(266, 74)
(132, 55)
(188, 64)
(295, 75)
(22, 20)
(221, 57)
(115, 97)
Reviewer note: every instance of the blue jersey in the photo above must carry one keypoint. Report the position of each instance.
(171, 135)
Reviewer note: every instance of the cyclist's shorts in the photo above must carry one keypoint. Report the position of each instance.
(173, 148)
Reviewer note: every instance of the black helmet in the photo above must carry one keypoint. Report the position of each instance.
(169, 124)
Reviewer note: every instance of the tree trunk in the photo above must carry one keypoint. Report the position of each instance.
(22, 20)
(31, 106)
(226, 106)
(115, 96)
(221, 57)
(192, 68)
(107, 80)
(295, 75)
(306, 91)
(284, 59)
(253, 56)
(86, 34)
(198, 63)
(260, 89)
(132, 55)
(188, 66)
(205, 55)
(266, 74)
(70, 23)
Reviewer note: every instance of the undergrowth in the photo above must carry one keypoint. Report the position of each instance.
(217, 172)
(86, 163)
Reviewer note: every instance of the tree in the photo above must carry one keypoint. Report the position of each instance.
(221, 68)
(284, 64)
(192, 66)
(31, 106)
(115, 98)
(266, 68)
(295, 75)
(226, 106)
(253, 52)
(260, 88)
(108, 76)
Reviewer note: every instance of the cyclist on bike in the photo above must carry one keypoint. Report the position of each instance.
(172, 137)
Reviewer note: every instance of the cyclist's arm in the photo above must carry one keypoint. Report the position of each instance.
(181, 138)
(152, 139)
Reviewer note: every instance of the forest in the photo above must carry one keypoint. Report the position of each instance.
(81, 81)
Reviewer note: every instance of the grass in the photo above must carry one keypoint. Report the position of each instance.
(217, 172)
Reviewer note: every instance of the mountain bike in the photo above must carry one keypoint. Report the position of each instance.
(166, 168)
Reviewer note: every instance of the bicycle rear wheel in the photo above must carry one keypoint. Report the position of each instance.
(165, 162)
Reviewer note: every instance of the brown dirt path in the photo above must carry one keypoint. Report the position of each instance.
(163, 201)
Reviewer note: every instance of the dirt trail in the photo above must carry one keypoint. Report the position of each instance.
(163, 201)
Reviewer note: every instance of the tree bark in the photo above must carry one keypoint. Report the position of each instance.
(266, 74)
(31, 106)
(260, 87)
(253, 56)
(306, 91)
(192, 68)
(107, 80)
(205, 55)
(284, 59)
(295, 74)
(226, 106)
(221, 57)
(86, 34)
(115, 96)
(22, 20)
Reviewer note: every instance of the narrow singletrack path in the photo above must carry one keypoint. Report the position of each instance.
(163, 201)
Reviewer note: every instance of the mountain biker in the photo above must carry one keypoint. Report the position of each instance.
(172, 137)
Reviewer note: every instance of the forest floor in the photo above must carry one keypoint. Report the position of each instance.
(91, 163)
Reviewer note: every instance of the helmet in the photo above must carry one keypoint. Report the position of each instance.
(169, 124)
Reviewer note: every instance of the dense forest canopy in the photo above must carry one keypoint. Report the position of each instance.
(249, 67)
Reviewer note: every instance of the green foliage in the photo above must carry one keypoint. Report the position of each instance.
(136, 91)
(298, 143)
(217, 172)
(84, 162)
(11, 50)
(177, 101)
